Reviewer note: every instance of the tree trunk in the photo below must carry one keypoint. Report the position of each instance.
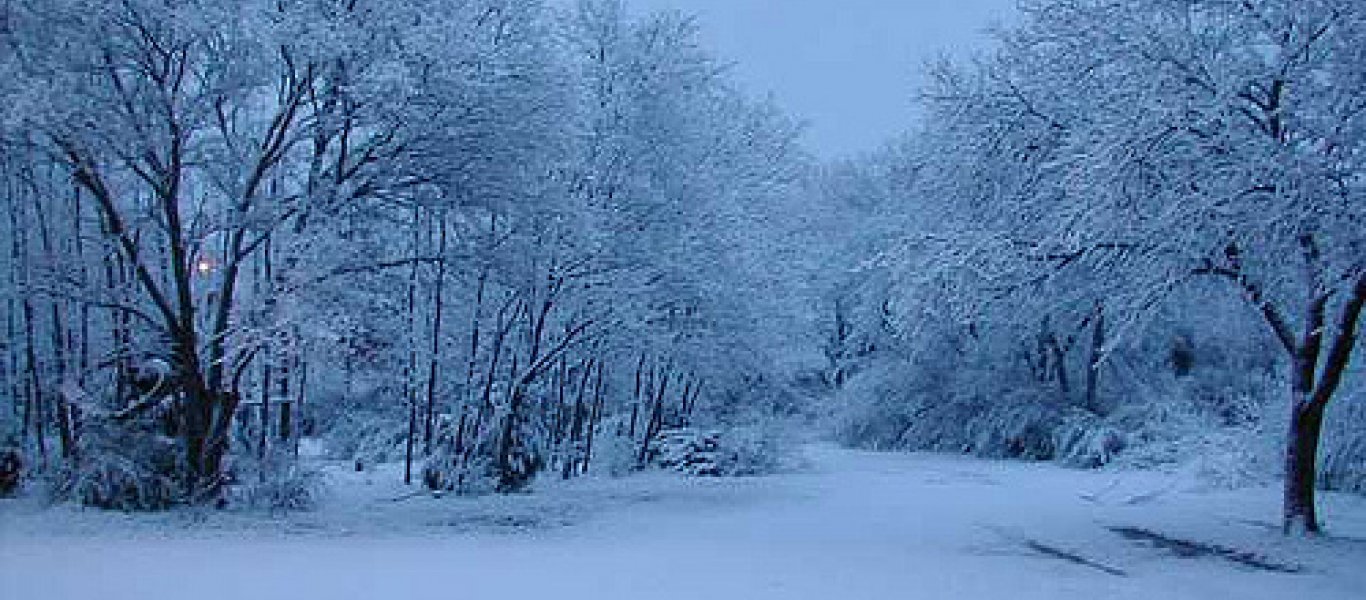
(33, 408)
(1093, 362)
(559, 427)
(508, 481)
(58, 340)
(683, 402)
(410, 370)
(502, 326)
(78, 242)
(408, 445)
(468, 397)
(207, 417)
(653, 422)
(301, 401)
(265, 284)
(594, 418)
(285, 431)
(13, 380)
(263, 441)
(1301, 456)
(576, 423)
(1059, 365)
(430, 416)
(1310, 396)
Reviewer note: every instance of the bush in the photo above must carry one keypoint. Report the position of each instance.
(291, 487)
(878, 410)
(741, 451)
(1084, 440)
(614, 454)
(754, 450)
(444, 471)
(11, 470)
(891, 411)
(112, 481)
(482, 468)
(1343, 454)
(687, 451)
(1013, 426)
(124, 465)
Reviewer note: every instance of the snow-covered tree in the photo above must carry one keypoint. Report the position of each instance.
(1114, 153)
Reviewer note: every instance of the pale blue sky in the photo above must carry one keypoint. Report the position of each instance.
(848, 67)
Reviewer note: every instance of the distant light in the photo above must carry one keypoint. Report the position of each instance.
(204, 266)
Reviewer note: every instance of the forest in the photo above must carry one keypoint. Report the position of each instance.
(478, 248)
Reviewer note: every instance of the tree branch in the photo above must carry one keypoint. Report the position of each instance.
(1254, 294)
(1341, 352)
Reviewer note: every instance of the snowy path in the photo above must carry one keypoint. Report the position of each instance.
(858, 525)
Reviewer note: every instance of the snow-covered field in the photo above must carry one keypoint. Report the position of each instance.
(852, 525)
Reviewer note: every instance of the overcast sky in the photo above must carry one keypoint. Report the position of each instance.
(847, 67)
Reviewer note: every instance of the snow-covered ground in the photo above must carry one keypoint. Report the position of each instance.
(852, 525)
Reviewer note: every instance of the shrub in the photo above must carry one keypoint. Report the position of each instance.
(113, 481)
(1343, 454)
(752, 450)
(290, 487)
(11, 470)
(1013, 426)
(124, 465)
(740, 451)
(1084, 440)
(892, 411)
(615, 454)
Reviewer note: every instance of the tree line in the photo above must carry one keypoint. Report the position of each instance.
(474, 222)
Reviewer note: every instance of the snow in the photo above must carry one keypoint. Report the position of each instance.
(851, 525)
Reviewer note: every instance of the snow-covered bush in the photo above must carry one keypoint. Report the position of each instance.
(1343, 454)
(476, 469)
(753, 450)
(1018, 425)
(116, 481)
(1082, 439)
(123, 465)
(445, 471)
(1223, 421)
(876, 408)
(687, 451)
(1160, 419)
(284, 487)
(739, 451)
(615, 455)
(895, 409)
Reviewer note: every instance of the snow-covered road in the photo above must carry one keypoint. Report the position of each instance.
(855, 525)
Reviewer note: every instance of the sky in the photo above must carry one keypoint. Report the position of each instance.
(849, 68)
